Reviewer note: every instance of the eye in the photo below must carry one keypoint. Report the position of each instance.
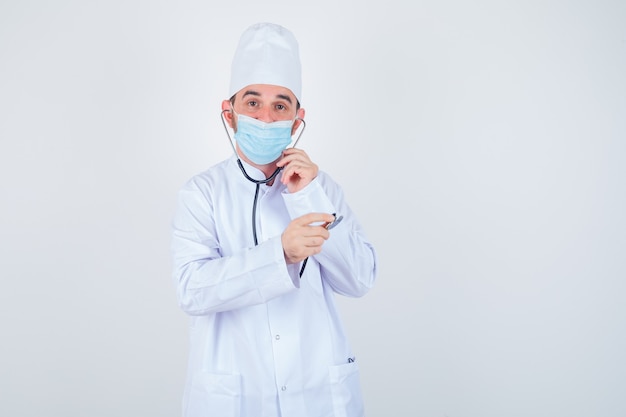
(252, 103)
(281, 107)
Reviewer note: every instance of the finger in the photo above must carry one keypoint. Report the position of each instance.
(300, 168)
(322, 235)
(292, 169)
(293, 151)
(292, 159)
(314, 233)
(311, 218)
(311, 241)
(291, 154)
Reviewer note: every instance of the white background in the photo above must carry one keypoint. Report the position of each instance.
(481, 144)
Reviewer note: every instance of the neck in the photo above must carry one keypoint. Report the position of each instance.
(268, 170)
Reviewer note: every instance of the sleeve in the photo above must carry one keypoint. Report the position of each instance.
(207, 282)
(347, 260)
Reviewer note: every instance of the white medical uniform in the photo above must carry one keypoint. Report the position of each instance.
(263, 341)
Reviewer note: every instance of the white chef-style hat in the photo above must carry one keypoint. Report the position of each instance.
(267, 54)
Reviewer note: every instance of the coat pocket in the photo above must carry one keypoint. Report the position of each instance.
(213, 395)
(345, 388)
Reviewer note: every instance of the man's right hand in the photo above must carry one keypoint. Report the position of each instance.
(301, 239)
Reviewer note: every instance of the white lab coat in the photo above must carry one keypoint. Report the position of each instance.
(264, 342)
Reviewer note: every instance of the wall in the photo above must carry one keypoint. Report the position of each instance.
(481, 144)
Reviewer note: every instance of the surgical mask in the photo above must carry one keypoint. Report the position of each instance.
(262, 142)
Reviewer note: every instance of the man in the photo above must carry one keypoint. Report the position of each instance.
(261, 242)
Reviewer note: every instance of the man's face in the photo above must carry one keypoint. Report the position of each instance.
(268, 103)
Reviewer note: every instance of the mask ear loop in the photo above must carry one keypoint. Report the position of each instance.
(301, 131)
(230, 139)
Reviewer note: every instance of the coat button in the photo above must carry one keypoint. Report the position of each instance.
(283, 388)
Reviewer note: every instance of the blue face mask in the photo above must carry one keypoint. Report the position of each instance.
(262, 142)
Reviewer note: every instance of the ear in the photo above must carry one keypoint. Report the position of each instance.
(300, 115)
(228, 114)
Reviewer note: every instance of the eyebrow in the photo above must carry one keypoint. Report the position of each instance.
(257, 94)
(251, 93)
(284, 97)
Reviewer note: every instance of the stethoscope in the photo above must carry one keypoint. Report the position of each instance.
(258, 182)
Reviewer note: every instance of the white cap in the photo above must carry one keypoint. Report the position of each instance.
(267, 54)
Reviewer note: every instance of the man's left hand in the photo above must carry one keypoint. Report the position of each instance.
(298, 169)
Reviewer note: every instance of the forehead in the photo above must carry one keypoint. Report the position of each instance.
(267, 92)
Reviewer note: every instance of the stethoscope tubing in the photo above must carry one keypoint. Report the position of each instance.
(259, 182)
